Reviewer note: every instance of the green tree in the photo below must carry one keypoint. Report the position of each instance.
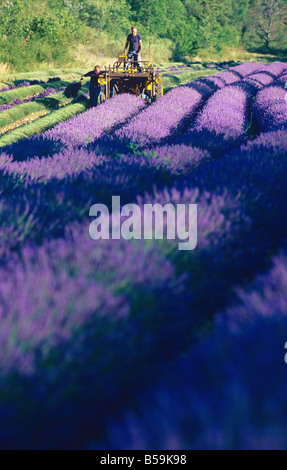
(109, 15)
(217, 27)
(265, 25)
(161, 18)
(12, 15)
(189, 42)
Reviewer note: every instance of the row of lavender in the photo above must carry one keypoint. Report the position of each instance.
(104, 285)
(125, 171)
(91, 174)
(223, 121)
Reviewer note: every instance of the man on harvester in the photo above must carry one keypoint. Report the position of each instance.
(95, 87)
(134, 41)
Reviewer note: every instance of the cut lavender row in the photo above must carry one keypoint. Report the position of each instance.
(44, 94)
(14, 87)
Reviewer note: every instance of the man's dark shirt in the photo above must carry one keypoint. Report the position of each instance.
(94, 77)
(134, 42)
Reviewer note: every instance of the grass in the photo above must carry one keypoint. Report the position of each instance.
(43, 123)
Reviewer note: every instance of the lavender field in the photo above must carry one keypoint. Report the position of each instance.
(134, 344)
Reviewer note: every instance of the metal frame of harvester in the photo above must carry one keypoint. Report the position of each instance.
(132, 76)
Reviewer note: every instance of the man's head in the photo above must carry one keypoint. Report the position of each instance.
(134, 30)
(97, 69)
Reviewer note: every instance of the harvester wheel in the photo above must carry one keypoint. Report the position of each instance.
(158, 91)
(102, 98)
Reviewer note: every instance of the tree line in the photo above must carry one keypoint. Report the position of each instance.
(42, 31)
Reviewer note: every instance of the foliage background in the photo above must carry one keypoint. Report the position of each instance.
(41, 33)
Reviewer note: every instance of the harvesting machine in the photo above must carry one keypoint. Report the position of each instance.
(128, 75)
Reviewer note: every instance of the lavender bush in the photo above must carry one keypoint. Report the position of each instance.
(93, 124)
(270, 109)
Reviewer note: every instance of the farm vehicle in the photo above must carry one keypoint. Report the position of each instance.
(128, 75)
